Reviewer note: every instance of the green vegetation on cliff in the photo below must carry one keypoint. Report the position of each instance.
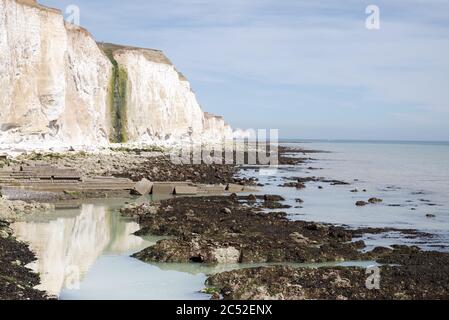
(117, 96)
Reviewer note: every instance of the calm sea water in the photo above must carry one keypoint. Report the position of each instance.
(411, 177)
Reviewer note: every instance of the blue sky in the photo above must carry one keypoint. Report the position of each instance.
(309, 68)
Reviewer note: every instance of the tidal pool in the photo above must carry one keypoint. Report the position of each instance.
(85, 254)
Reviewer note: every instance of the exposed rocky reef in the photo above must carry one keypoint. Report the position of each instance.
(407, 273)
(240, 229)
(12, 210)
(236, 230)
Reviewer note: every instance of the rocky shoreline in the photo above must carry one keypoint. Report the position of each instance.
(16, 281)
(235, 230)
(410, 274)
(239, 230)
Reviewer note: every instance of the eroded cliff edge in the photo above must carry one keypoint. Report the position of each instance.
(60, 88)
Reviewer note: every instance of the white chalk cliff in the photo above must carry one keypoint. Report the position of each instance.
(58, 87)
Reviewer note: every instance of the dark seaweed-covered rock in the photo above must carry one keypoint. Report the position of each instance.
(406, 273)
(16, 281)
(161, 168)
(272, 198)
(375, 200)
(202, 233)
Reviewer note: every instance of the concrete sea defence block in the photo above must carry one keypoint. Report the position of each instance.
(144, 187)
(186, 190)
(163, 189)
(234, 188)
(212, 189)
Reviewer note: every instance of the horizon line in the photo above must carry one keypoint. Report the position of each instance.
(362, 140)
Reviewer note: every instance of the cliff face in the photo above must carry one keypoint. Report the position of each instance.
(54, 79)
(158, 101)
(215, 126)
(58, 87)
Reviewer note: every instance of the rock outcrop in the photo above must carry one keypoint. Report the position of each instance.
(60, 88)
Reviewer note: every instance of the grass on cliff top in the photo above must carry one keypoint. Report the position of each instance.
(153, 55)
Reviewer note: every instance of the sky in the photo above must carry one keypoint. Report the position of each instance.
(310, 68)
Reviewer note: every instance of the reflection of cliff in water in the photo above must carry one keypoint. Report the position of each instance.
(66, 247)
